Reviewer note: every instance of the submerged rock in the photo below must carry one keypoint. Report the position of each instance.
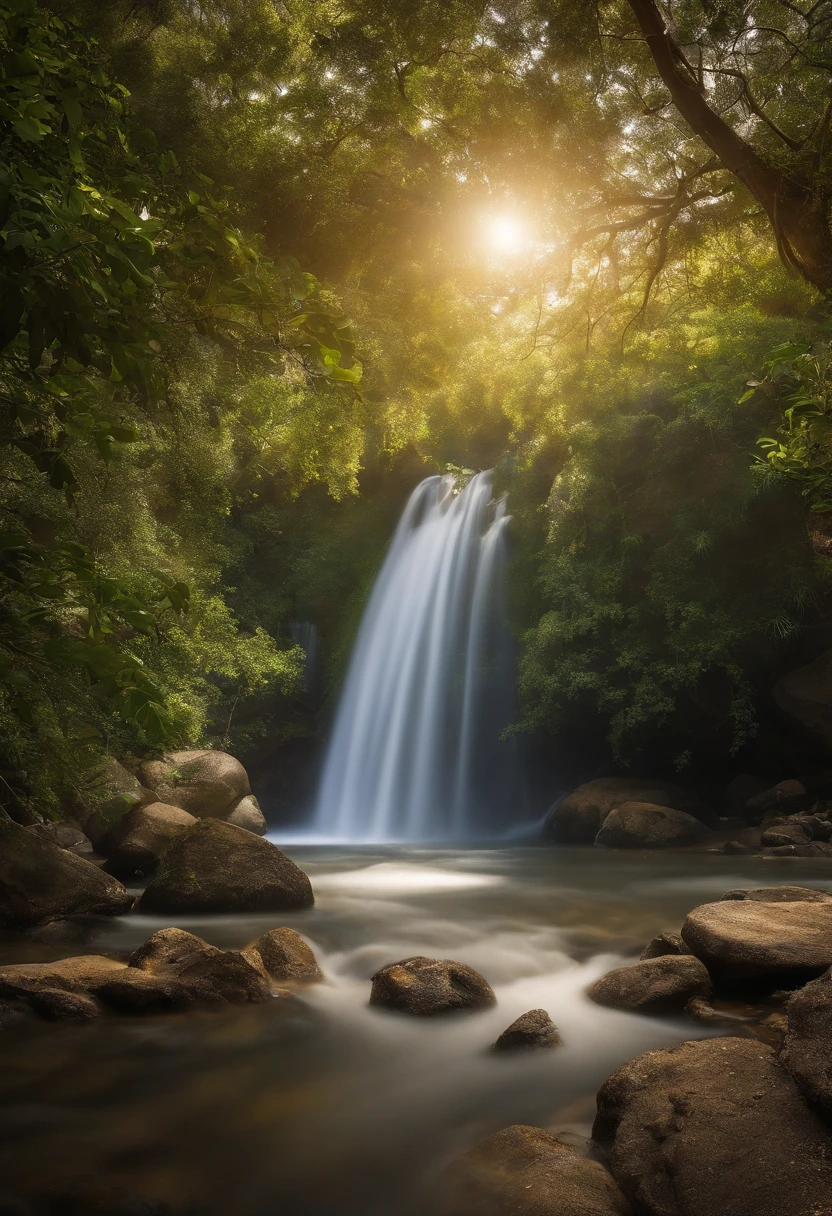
(714, 1128)
(742, 939)
(643, 825)
(285, 957)
(429, 986)
(578, 817)
(247, 814)
(531, 1030)
(663, 944)
(217, 867)
(40, 882)
(137, 842)
(204, 782)
(523, 1171)
(657, 985)
(807, 1051)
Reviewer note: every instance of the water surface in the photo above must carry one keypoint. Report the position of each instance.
(320, 1104)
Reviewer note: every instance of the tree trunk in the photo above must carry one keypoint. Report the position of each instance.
(799, 218)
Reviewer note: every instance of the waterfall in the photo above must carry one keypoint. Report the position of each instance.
(416, 750)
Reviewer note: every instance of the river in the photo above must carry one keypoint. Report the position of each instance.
(319, 1104)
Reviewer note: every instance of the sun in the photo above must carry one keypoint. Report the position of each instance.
(506, 234)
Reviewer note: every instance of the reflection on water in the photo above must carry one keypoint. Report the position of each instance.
(323, 1105)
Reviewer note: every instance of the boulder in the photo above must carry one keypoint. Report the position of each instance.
(211, 975)
(167, 951)
(205, 783)
(806, 695)
(247, 814)
(745, 938)
(136, 843)
(663, 944)
(217, 867)
(641, 825)
(117, 792)
(284, 956)
(40, 882)
(784, 833)
(57, 1005)
(780, 895)
(65, 835)
(523, 1171)
(138, 992)
(807, 1051)
(78, 974)
(815, 848)
(655, 985)
(578, 817)
(534, 1029)
(786, 798)
(428, 986)
(714, 1128)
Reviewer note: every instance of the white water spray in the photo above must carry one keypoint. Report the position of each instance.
(416, 750)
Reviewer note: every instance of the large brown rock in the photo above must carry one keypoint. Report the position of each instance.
(578, 817)
(641, 825)
(531, 1031)
(205, 783)
(217, 867)
(429, 986)
(714, 1128)
(247, 814)
(744, 938)
(807, 1051)
(117, 792)
(663, 984)
(285, 957)
(664, 943)
(137, 842)
(210, 975)
(806, 695)
(81, 973)
(40, 882)
(523, 1171)
(780, 895)
(786, 798)
(167, 951)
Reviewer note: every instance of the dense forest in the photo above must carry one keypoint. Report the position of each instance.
(266, 264)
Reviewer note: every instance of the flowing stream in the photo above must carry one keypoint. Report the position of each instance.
(417, 751)
(320, 1104)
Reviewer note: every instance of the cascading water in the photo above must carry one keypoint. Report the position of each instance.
(416, 750)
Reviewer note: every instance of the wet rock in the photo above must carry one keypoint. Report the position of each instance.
(807, 1051)
(641, 825)
(578, 817)
(786, 798)
(534, 1029)
(656, 985)
(247, 814)
(136, 843)
(168, 950)
(285, 957)
(738, 847)
(523, 1171)
(139, 992)
(225, 977)
(745, 938)
(664, 943)
(59, 1006)
(76, 974)
(40, 882)
(217, 867)
(206, 783)
(815, 848)
(211, 975)
(714, 1128)
(780, 895)
(785, 833)
(429, 986)
(65, 835)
